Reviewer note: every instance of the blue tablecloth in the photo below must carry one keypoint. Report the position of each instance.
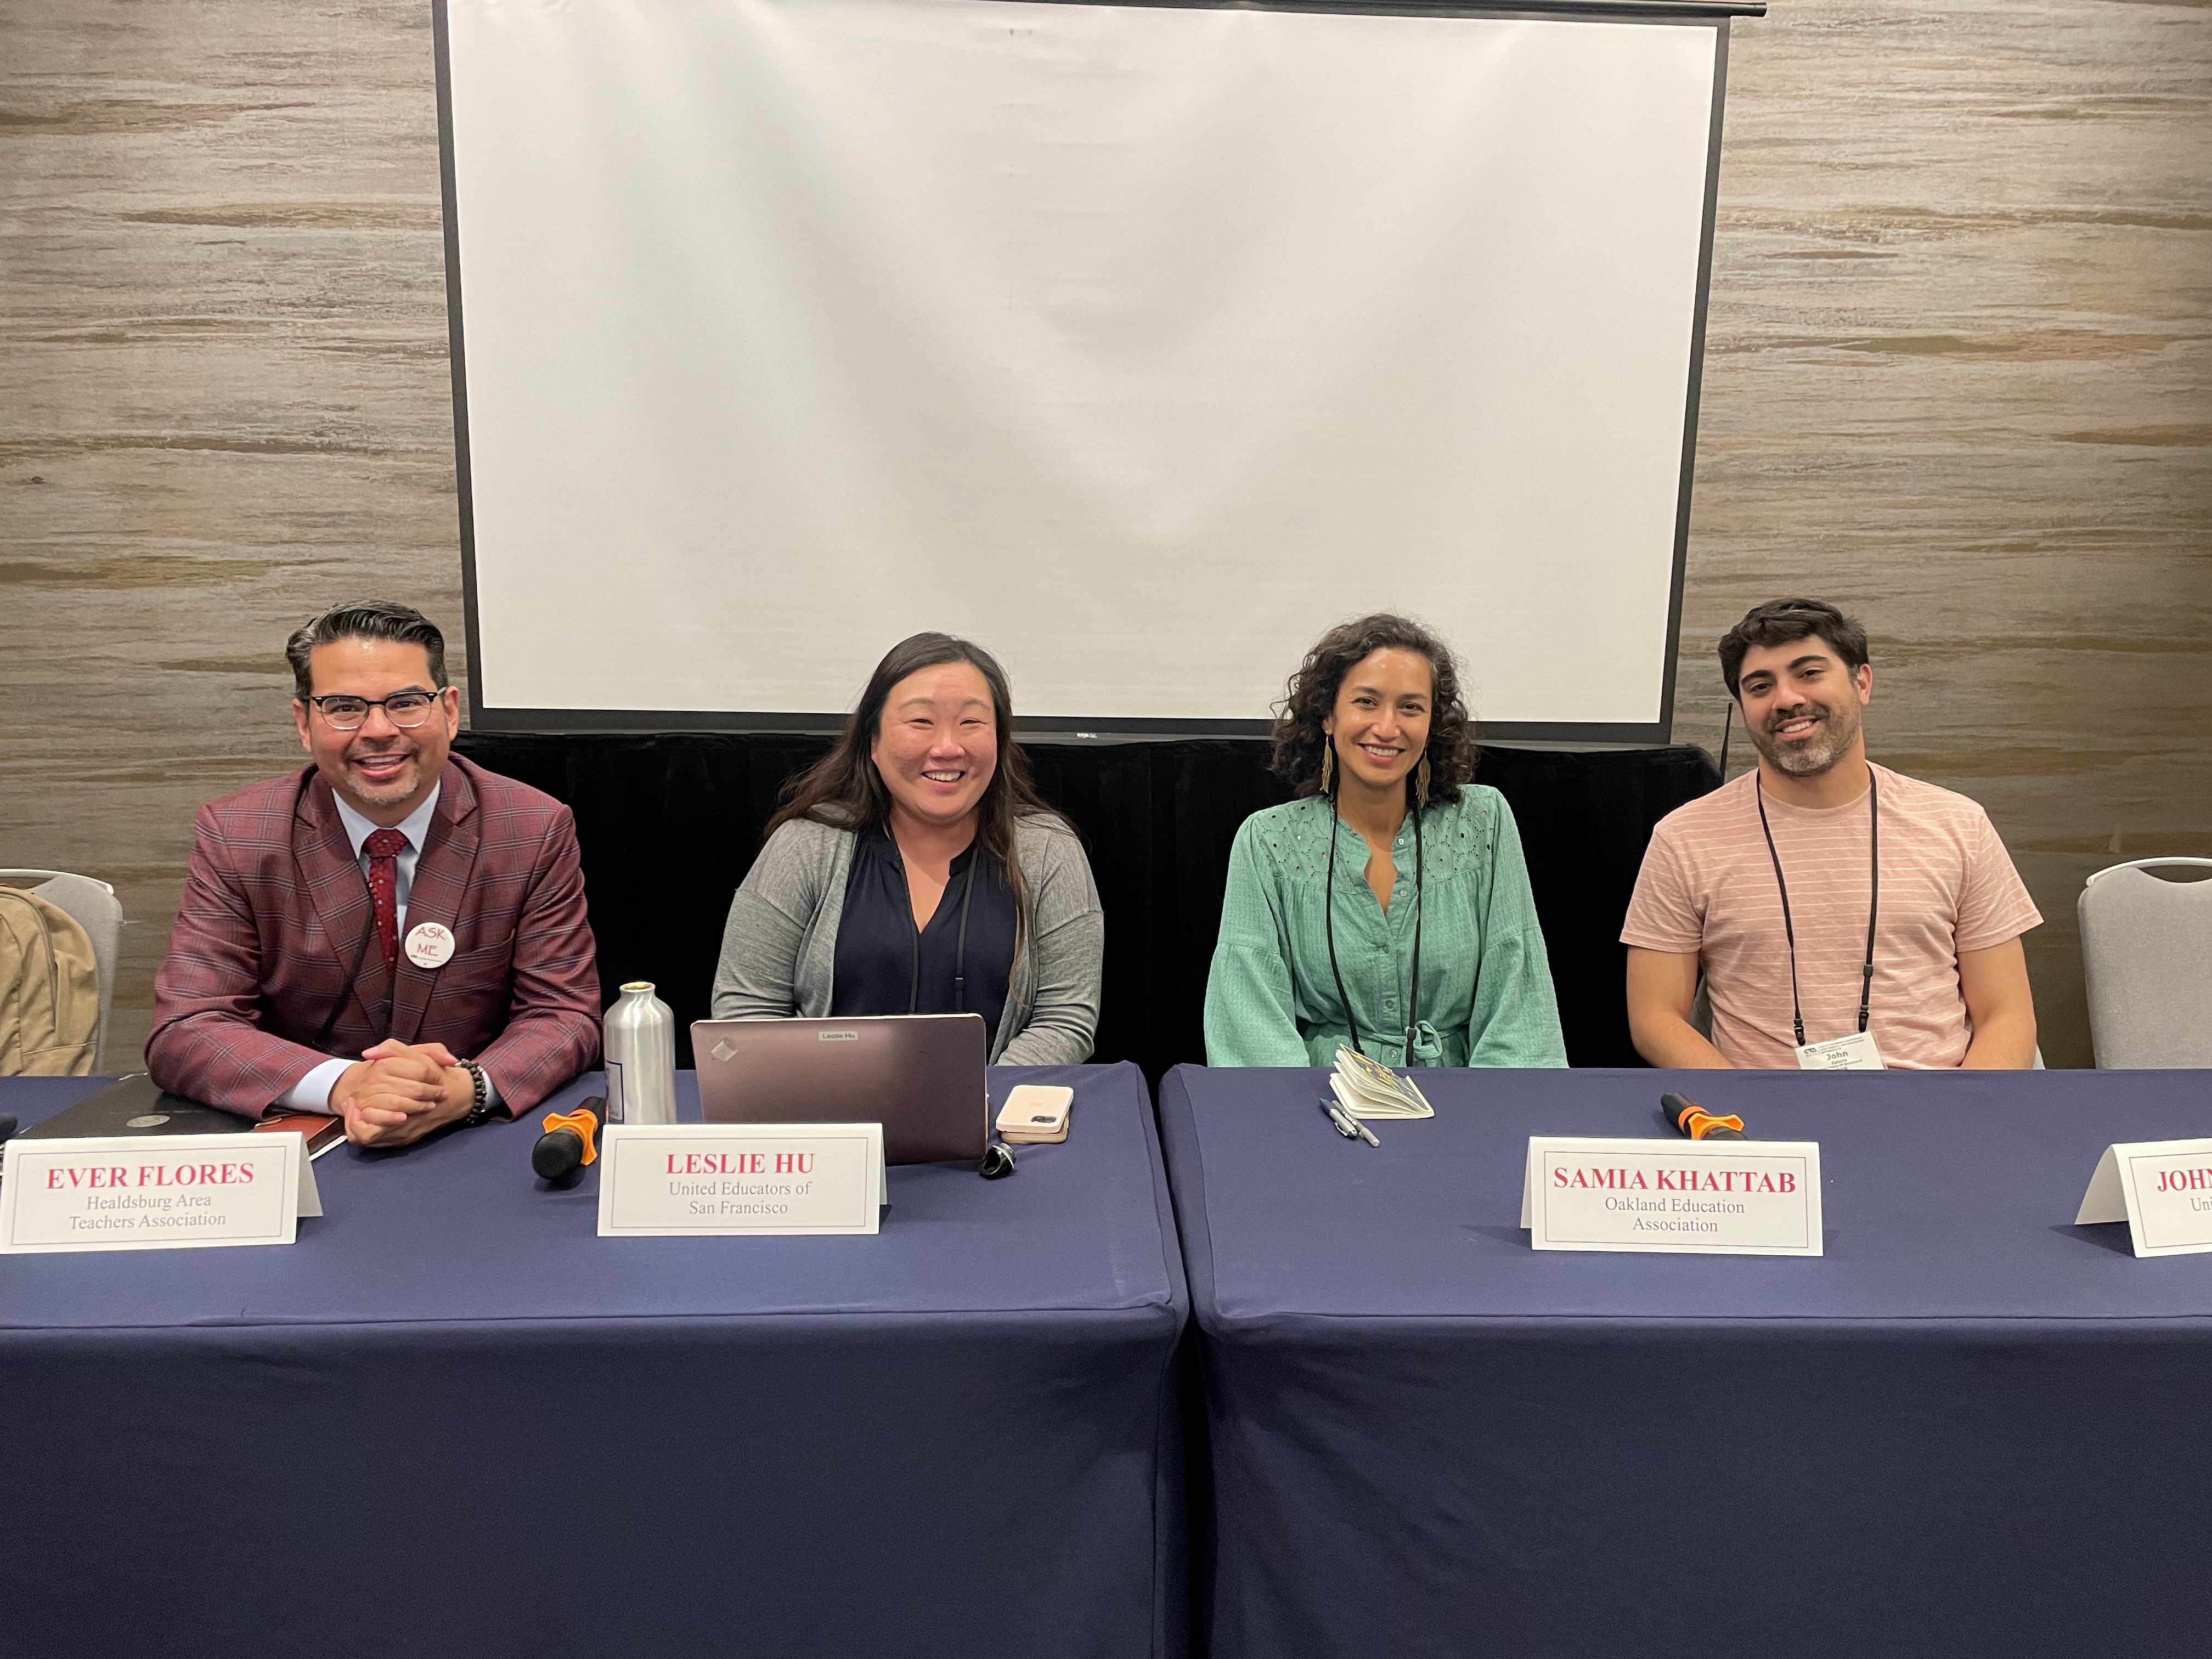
(1969, 1428)
(450, 1419)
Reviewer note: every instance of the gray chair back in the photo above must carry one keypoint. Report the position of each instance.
(2147, 958)
(100, 913)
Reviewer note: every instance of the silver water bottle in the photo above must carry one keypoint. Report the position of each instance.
(640, 1052)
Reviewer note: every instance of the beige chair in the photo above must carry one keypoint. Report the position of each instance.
(2147, 959)
(99, 912)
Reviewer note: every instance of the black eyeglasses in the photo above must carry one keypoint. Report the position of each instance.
(402, 709)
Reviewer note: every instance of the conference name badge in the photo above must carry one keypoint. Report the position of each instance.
(155, 1192)
(1855, 1053)
(1687, 1197)
(698, 1180)
(2161, 1188)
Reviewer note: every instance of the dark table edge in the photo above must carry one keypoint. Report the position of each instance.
(1187, 1187)
(1187, 1181)
(1177, 1305)
(1163, 1205)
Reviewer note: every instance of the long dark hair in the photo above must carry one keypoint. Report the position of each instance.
(844, 788)
(1310, 698)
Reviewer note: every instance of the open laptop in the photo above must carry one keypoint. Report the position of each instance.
(134, 1106)
(918, 1075)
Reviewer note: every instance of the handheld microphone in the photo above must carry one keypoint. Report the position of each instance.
(1685, 1116)
(570, 1139)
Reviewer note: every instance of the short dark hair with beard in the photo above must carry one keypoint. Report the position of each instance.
(1778, 621)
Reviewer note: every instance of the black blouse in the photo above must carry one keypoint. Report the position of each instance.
(884, 966)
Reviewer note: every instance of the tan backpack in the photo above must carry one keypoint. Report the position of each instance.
(49, 989)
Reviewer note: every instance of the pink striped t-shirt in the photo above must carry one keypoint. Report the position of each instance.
(1707, 887)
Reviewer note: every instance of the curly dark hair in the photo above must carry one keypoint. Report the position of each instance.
(1310, 698)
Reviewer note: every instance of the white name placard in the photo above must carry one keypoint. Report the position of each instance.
(2161, 1188)
(1686, 1197)
(678, 1180)
(155, 1192)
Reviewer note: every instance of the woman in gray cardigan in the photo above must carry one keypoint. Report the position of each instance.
(915, 870)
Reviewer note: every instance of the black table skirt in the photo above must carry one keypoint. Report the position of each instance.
(669, 823)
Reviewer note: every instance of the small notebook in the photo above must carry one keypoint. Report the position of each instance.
(1367, 1088)
(322, 1130)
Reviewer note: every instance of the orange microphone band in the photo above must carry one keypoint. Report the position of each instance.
(1699, 1124)
(583, 1122)
(1689, 1118)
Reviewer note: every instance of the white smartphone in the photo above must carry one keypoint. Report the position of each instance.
(1036, 1113)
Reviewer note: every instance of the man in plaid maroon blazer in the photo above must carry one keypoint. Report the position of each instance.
(391, 901)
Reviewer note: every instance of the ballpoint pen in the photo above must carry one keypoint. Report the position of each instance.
(1346, 1125)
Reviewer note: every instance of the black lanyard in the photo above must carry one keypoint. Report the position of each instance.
(1874, 900)
(1328, 926)
(960, 952)
(352, 974)
(361, 956)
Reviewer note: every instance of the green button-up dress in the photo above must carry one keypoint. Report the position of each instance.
(1485, 988)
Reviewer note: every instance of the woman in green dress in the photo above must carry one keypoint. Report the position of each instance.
(1387, 906)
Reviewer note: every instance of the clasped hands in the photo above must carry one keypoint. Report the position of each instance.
(399, 1092)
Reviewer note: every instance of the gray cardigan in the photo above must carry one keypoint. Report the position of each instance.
(779, 946)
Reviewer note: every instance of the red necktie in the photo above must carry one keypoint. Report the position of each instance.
(383, 847)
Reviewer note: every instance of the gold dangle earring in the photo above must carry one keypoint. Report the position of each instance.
(1421, 781)
(1327, 761)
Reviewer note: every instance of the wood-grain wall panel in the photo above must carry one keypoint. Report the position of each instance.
(1959, 378)
(222, 338)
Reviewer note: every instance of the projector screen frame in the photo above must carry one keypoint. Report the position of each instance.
(1708, 14)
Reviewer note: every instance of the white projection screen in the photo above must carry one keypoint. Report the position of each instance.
(1138, 342)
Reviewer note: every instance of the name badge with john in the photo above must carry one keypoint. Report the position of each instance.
(1855, 1053)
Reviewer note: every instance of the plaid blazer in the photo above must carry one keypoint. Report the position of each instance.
(274, 910)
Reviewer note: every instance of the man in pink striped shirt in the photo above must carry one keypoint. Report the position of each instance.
(1842, 915)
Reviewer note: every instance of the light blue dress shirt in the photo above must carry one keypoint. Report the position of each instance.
(312, 1093)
